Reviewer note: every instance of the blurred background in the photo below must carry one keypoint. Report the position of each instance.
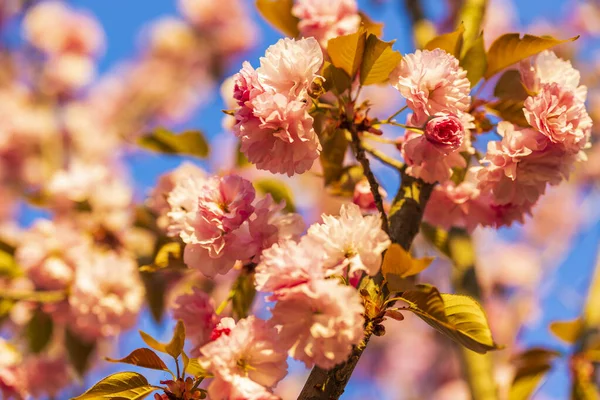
(530, 275)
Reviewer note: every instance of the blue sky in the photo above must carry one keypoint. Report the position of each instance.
(123, 21)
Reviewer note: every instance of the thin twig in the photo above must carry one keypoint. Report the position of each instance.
(359, 152)
(384, 158)
(394, 115)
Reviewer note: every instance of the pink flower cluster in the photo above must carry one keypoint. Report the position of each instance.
(326, 20)
(272, 121)
(247, 360)
(318, 318)
(437, 90)
(517, 169)
(220, 223)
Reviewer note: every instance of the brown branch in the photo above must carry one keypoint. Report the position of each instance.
(359, 152)
(404, 219)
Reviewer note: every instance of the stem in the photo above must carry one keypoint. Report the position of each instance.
(384, 158)
(394, 115)
(478, 369)
(404, 219)
(359, 152)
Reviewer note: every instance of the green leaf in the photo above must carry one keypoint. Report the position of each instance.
(39, 331)
(511, 48)
(8, 266)
(509, 110)
(437, 236)
(335, 146)
(346, 52)
(336, 79)
(142, 357)
(398, 264)
(346, 182)
(279, 190)
(195, 369)
(170, 255)
(122, 385)
(379, 60)
(79, 351)
(278, 13)
(568, 331)
(192, 143)
(241, 160)
(156, 289)
(475, 61)
(175, 346)
(459, 317)
(155, 344)
(509, 86)
(450, 42)
(243, 295)
(375, 28)
(531, 367)
(372, 297)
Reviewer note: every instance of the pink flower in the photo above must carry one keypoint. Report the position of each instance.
(269, 225)
(250, 355)
(426, 161)
(286, 266)
(320, 324)
(363, 197)
(106, 296)
(445, 133)
(350, 240)
(461, 205)
(432, 82)
(47, 376)
(50, 253)
(326, 20)
(560, 115)
(197, 311)
(273, 124)
(290, 66)
(158, 198)
(547, 68)
(12, 382)
(54, 28)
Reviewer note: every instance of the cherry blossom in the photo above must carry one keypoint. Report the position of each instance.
(326, 20)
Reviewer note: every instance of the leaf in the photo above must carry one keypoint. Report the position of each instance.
(162, 140)
(53, 296)
(243, 295)
(79, 351)
(170, 255)
(398, 264)
(531, 367)
(8, 266)
(195, 369)
(336, 79)
(459, 317)
(379, 60)
(153, 343)
(449, 42)
(509, 110)
(279, 190)
(375, 28)
(175, 346)
(437, 236)
(344, 185)
(39, 331)
(278, 13)
(122, 385)
(511, 48)
(475, 61)
(372, 297)
(346, 52)
(509, 86)
(335, 146)
(142, 357)
(241, 160)
(156, 289)
(568, 331)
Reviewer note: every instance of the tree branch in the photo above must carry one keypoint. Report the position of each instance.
(404, 219)
(359, 152)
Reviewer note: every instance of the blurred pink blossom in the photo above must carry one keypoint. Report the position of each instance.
(326, 20)
(197, 311)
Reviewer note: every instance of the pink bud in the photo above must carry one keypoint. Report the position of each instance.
(445, 133)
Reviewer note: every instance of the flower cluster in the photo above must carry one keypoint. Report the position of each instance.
(272, 121)
(326, 20)
(220, 222)
(320, 319)
(437, 90)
